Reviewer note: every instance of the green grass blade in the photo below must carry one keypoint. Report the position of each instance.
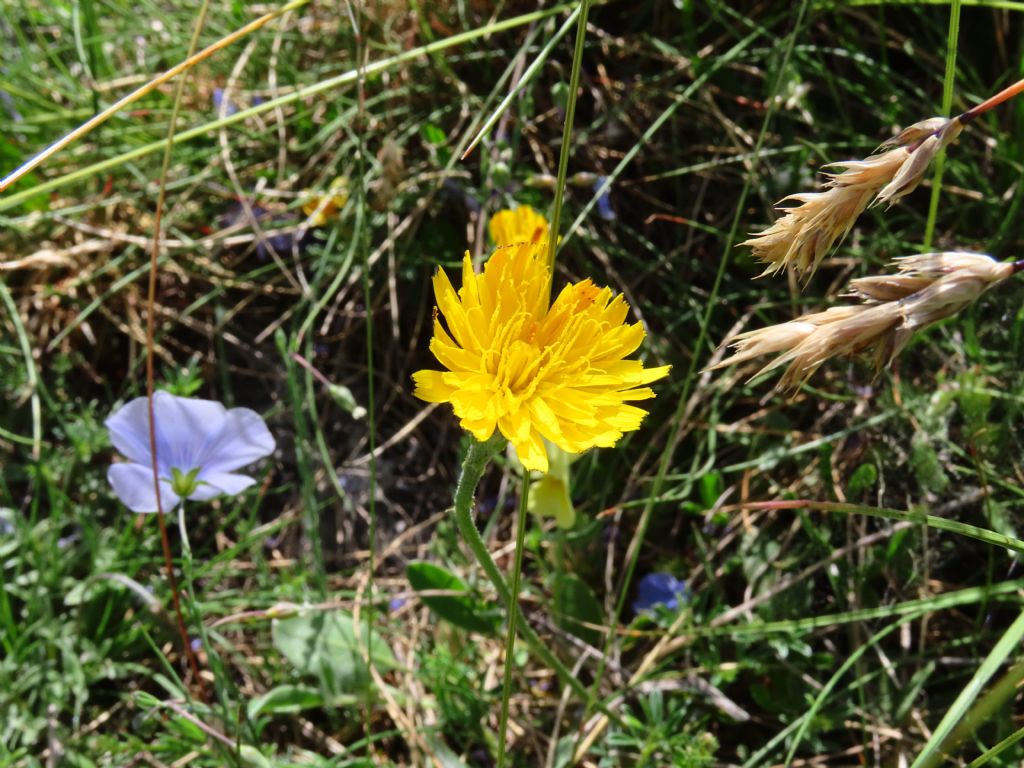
(931, 521)
(1007, 645)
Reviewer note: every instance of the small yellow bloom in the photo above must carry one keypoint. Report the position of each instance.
(549, 494)
(530, 368)
(522, 225)
(320, 207)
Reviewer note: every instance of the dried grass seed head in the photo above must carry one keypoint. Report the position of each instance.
(806, 233)
(928, 288)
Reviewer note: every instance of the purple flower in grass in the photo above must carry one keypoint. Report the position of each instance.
(656, 589)
(199, 444)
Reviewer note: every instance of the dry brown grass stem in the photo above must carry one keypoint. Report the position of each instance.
(807, 232)
(927, 288)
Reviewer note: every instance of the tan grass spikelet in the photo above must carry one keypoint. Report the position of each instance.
(927, 288)
(804, 235)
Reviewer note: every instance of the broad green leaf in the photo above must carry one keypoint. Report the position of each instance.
(462, 609)
(324, 645)
(252, 757)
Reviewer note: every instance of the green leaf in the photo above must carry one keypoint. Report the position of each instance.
(443, 754)
(250, 756)
(462, 610)
(324, 645)
(147, 700)
(862, 480)
(186, 729)
(576, 606)
(711, 487)
(286, 699)
(432, 134)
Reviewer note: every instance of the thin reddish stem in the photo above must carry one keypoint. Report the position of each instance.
(1007, 93)
(154, 261)
(150, 379)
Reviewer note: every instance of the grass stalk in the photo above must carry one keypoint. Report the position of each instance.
(947, 736)
(154, 262)
(992, 102)
(931, 521)
(303, 460)
(345, 78)
(947, 107)
(513, 615)
(361, 237)
(570, 114)
(184, 66)
(526, 78)
(633, 554)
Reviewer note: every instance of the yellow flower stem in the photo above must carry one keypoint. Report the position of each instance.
(564, 151)
(513, 614)
(480, 454)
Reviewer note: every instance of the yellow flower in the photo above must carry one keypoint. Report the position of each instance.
(549, 494)
(320, 207)
(522, 225)
(534, 369)
(549, 497)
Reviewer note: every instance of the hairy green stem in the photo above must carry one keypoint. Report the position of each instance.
(510, 635)
(473, 468)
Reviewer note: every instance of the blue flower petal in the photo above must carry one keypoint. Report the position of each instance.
(133, 484)
(184, 427)
(129, 431)
(604, 202)
(242, 439)
(214, 484)
(659, 589)
(192, 435)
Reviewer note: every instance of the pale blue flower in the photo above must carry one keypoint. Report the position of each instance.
(659, 588)
(199, 444)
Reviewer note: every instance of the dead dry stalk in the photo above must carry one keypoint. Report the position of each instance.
(927, 288)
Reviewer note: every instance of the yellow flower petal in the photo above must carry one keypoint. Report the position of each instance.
(521, 225)
(321, 208)
(531, 368)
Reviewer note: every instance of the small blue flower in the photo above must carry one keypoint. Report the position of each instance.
(199, 443)
(604, 202)
(396, 604)
(218, 102)
(659, 589)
